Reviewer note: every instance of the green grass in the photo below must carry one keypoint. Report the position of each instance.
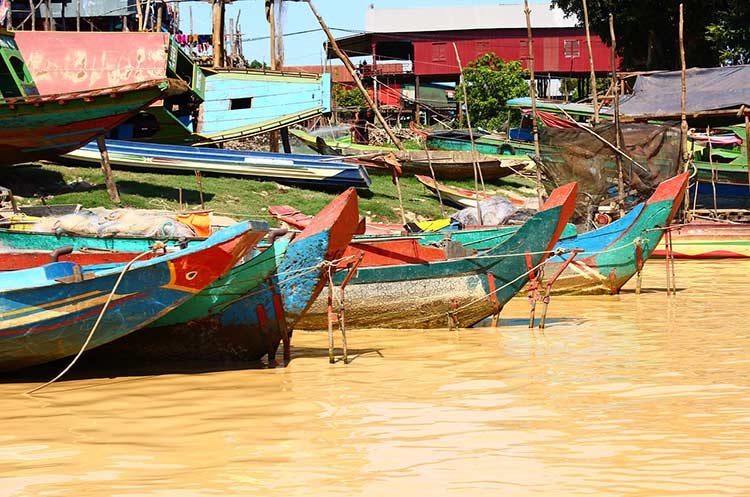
(232, 196)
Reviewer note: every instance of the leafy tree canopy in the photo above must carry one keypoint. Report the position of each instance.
(716, 31)
(490, 82)
(348, 97)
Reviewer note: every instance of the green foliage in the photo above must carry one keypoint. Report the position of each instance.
(715, 31)
(348, 97)
(256, 64)
(729, 35)
(490, 82)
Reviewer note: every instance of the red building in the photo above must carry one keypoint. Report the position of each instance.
(424, 38)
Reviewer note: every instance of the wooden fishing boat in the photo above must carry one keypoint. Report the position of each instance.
(708, 240)
(48, 311)
(446, 164)
(245, 314)
(464, 290)
(284, 168)
(458, 197)
(614, 253)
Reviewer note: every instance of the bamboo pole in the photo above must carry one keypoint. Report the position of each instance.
(532, 88)
(109, 179)
(683, 117)
(595, 120)
(139, 14)
(618, 136)
(350, 67)
(471, 136)
(78, 15)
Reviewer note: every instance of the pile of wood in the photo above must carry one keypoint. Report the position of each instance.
(378, 136)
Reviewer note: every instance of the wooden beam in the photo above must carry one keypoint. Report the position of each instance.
(350, 67)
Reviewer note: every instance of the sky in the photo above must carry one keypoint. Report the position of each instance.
(343, 17)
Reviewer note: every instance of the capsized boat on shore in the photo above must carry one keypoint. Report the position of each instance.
(49, 311)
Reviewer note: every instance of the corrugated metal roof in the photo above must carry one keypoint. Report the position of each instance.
(464, 18)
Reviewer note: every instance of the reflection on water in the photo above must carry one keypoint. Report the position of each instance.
(626, 395)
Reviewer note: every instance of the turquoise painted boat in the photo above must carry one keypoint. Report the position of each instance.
(49, 311)
(247, 313)
(464, 290)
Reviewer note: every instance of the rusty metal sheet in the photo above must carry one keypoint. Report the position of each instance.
(67, 61)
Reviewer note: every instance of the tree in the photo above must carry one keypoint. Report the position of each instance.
(730, 34)
(348, 97)
(490, 82)
(647, 30)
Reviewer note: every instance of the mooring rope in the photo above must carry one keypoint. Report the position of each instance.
(96, 324)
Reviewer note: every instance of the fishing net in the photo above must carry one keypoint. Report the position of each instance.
(577, 155)
(121, 222)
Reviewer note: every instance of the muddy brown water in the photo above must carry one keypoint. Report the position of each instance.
(623, 395)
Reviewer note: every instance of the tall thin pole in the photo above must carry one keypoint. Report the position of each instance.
(683, 117)
(618, 141)
(349, 67)
(471, 136)
(218, 33)
(591, 64)
(273, 136)
(32, 9)
(532, 89)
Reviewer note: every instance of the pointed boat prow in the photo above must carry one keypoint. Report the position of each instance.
(563, 198)
(672, 189)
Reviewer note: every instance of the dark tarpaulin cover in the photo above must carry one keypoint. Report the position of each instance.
(706, 89)
(577, 155)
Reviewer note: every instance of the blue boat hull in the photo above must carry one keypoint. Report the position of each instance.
(286, 168)
(50, 316)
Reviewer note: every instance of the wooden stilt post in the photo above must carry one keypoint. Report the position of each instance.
(618, 133)
(109, 179)
(32, 9)
(532, 90)
(159, 15)
(285, 140)
(273, 136)
(218, 33)
(350, 68)
(595, 120)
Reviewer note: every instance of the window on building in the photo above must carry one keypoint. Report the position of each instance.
(439, 52)
(240, 103)
(571, 49)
